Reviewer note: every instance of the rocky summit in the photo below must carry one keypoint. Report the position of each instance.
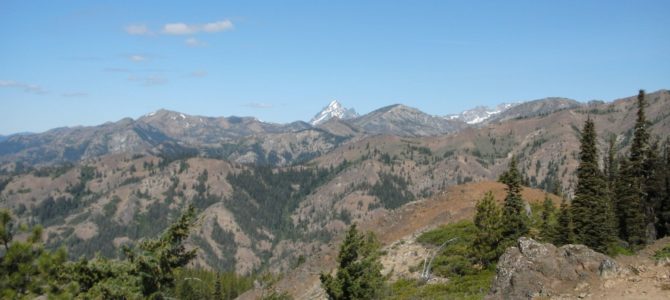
(333, 110)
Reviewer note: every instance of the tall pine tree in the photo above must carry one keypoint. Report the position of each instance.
(639, 155)
(629, 206)
(486, 245)
(635, 209)
(514, 219)
(590, 207)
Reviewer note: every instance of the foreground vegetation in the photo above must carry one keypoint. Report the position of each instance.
(153, 269)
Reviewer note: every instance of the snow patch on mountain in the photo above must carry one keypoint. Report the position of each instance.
(480, 114)
(333, 110)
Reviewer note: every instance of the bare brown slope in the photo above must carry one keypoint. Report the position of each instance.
(456, 204)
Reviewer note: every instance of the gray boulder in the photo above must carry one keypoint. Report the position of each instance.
(533, 269)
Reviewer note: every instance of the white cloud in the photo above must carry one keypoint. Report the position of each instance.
(179, 29)
(28, 88)
(193, 42)
(183, 28)
(218, 26)
(137, 58)
(138, 29)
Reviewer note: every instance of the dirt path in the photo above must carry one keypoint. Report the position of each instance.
(645, 279)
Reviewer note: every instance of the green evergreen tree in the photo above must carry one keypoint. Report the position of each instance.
(359, 270)
(514, 219)
(590, 207)
(635, 209)
(629, 206)
(639, 154)
(664, 206)
(640, 146)
(547, 232)
(27, 269)
(564, 228)
(654, 190)
(486, 245)
(148, 271)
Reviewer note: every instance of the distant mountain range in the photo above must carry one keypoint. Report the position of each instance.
(249, 140)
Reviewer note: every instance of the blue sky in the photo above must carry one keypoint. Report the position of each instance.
(66, 63)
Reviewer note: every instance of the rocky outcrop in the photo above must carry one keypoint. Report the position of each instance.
(533, 269)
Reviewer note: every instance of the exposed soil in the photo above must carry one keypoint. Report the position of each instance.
(644, 278)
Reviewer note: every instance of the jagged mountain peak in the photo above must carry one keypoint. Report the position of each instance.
(333, 110)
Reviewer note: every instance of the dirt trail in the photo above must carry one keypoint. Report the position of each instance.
(456, 204)
(644, 278)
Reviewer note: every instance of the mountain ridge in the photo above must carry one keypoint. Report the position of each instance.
(263, 142)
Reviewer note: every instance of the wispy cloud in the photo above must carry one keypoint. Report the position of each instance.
(218, 26)
(193, 42)
(183, 28)
(137, 58)
(151, 80)
(179, 28)
(258, 105)
(74, 94)
(28, 88)
(138, 29)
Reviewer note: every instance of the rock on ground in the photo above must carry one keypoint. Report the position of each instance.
(533, 269)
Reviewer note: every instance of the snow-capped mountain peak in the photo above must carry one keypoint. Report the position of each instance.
(480, 114)
(333, 110)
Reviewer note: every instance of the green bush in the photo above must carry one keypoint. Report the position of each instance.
(663, 253)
